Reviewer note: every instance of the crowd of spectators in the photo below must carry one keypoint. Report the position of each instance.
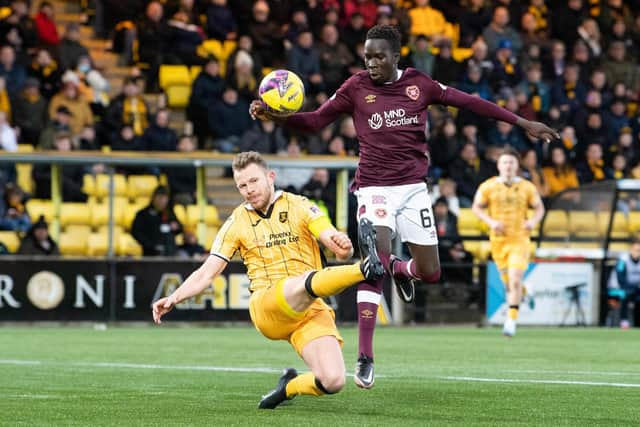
(570, 63)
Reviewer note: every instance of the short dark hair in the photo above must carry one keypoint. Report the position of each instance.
(510, 151)
(243, 160)
(388, 33)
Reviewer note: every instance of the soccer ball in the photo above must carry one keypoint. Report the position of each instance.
(282, 91)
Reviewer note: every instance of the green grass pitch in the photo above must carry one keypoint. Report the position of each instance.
(166, 376)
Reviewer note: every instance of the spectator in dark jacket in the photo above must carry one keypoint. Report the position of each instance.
(228, 120)
(47, 71)
(71, 49)
(184, 38)
(156, 226)
(13, 212)
(206, 91)
(159, 136)
(153, 36)
(304, 60)
(30, 112)
(468, 170)
(13, 73)
(127, 108)
(221, 24)
(592, 168)
(450, 247)
(182, 180)
(61, 123)
(37, 241)
(266, 34)
(264, 137)
(335, 58)
(191, 248)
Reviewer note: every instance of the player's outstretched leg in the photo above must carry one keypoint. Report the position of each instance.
(372, 267)
(405, 283)
(278, 394)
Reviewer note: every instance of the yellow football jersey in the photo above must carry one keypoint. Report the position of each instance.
(281, 243)
(508, 204)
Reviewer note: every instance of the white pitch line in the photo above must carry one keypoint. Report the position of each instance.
(549, 371)
(175, 367)
(20, 362)
(522, 381)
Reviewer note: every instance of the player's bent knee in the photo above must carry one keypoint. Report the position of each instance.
(331, 383)
(431, 276)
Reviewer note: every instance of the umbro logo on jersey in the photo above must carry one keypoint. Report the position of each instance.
(369, 99)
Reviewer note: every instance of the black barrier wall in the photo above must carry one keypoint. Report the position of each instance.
(46, 289)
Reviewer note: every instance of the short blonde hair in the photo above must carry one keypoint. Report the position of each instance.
(244, 159)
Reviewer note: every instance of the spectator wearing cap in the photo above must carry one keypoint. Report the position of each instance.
(506, 70)
(30, 112)
(266, 35)
(70, 49)
(13, 73)
(61, 123)
(46, 25)
(13, 212)
(206, 91)
(71, 97)
(499, 29)
(46, 70)
(155, 226)
(71, 175)
(221, 24)
(420, 56)
(38, 241)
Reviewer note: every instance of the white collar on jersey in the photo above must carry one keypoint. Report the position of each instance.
(515, 180)
(399, 75)
(276, 196)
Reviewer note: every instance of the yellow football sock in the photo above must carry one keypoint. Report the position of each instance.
(333, 280)
(513, 313)
(303, 384)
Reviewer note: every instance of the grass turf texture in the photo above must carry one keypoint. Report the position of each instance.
(169, 376)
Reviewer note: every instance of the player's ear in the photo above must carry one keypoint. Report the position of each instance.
(271, 175)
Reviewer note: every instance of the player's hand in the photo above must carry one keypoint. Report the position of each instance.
(162, 307)
(530, 224)
(257, 110)
(497, 226)
(539, 130)
(345, 247)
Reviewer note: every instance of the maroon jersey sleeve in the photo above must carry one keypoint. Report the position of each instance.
(441, 94)
(340, 103)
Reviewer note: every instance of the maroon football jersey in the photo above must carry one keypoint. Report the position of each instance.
(390, 122)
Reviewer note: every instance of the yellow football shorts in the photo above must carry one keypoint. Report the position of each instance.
(274, 318)
(508, 254)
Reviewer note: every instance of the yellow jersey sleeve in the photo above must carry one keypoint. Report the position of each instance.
(226, 243)
(482, 194)
(533, 198)
(315, 219)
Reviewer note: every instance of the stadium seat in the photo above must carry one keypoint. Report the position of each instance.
(82, 231)
(468, 223)
(89, 184)
(633, 222)
(584, 224)
(619, 228)
(480, 249)
(73, 243)
(130, 211)
(74, 213)
(175, 80)
(141, 186)
(101, 189)
(97, 245)
(37, 207)
(178, 96)
(128, 246)
(10, 240)
(117, 230)
(211, 216)
(194, 71)
(181, 214)
(556, 224)
(23, 176)
(100, 212)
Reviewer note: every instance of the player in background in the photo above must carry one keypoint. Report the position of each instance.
(389, 109)
(502, 202)
(275, 234)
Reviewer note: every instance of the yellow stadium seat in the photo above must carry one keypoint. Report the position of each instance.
(73, 243)
(556, 224)
(141, 186)
(178, 96)
(23, 176)
(97, 245)
(194, 71)
(89, 184)
(37, 207)
(211, 216)
(619, 246)
(81, 230)
(10, 240)
(633, 221)
(130, 212)
(128, 246)
(584, 224)
(100, 212)
(102, 185)
(468, 223)
(171, 75)
(25, 148)
(74, 213)
(619, 227)
(480, 249)
(181, 214)
(117, 231)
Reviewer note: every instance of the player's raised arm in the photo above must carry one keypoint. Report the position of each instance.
(197, 282)
(338, 242)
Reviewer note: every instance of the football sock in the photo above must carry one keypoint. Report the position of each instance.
(304, 384)
(368, 299)
(333, 280)
(505, 278)
(405, 269)
(513, 312)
